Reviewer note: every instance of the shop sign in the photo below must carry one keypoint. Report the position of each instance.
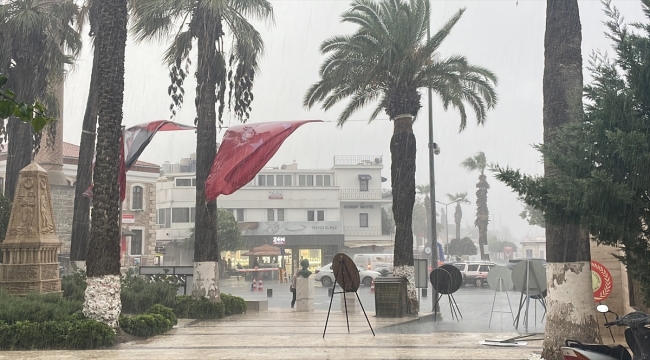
(128, 219)
(358, 206)
(285, 228)
(276, 195)
(279, 240)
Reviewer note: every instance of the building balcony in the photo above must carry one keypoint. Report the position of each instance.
(356, 160)
(355, 194)
(362, 231)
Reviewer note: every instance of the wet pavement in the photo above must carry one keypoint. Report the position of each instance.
(285, 334)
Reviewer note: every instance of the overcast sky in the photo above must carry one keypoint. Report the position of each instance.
(505, 36)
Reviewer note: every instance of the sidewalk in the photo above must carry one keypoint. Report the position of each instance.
(286, 334)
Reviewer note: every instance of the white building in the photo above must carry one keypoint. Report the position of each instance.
(310, 213)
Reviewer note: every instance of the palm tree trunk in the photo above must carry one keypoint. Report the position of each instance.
(403, 150)
(206, 253)
(102, 298)
(458, 217)
(570, 296)
(482, 215)
(81, 216)
(19, 152)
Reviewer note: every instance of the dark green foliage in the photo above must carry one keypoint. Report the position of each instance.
(233, 304)
(28, 113)
(157, 320)
(139, 294)
(36, 308)
(74, 286)
(73, 334)
(229, 236)
(460, 247)
(189, 308)
(602, 164)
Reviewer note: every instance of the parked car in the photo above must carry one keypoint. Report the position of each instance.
(375, 262)
(475, 272)
(326, 275)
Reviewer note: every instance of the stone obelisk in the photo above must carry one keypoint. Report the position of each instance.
(50, 157)
(31, 249)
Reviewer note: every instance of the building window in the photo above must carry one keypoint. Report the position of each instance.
(270, 215)
(287, 180)
(529, 254)
(136, 198)
(541, 254)
(136, 242)
(161, 216)
(306, 180)
(193, 181)
(181, 215)
(310, 215)
(319, 180)
(238, 214)
(326, 180)
(184, 182)
(363, 185)
(261, 180)
(315, 215)
(280, 214)
(363, 220)
(192, 214)
(320, 215)
(269, 180)
(279, 180)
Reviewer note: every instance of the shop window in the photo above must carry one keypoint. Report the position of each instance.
(136, 198)
(136, 242)
(363, 220)
(183, 182)
(181, 215)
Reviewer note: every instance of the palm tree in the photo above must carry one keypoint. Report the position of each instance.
(387, 61)
(102, 300)
(37, 41)
(426, 190)
(478, 162)
(567, 245)
(458, 198)
(218, 69)
(81, 215)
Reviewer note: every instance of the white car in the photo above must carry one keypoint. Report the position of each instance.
(326, 276)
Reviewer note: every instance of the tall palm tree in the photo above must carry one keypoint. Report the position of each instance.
(387, 61)
(458, 198)
(219, 68)
(37, 41)
(81, 215)
(102, 300)
(567, 245)
(478, 163)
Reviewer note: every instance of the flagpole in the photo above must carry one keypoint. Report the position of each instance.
(120, 195)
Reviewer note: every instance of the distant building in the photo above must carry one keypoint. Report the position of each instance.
(535, 248)
(139, 213)
(310, 213)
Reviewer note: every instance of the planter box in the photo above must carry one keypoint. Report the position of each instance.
(390, 297)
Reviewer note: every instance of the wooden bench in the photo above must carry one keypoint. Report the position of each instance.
(257, 305)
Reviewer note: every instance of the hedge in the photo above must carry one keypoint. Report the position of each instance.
(37, 308)
(157, 320)
(72, 334)
(233, 304)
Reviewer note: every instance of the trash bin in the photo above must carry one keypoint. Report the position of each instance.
(390, 296)
(269, 292)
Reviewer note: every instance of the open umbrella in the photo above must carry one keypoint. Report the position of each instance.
(264, 250)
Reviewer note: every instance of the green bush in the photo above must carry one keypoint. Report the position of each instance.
(233, 304)
(74, 286)
(157, 320)
(74, 334)
(37, 308)
(166, 312)
(190, 308)
(139, 294)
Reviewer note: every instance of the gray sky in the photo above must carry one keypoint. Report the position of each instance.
(501, 35)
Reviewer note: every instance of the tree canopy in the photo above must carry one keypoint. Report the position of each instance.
(603, 162)
(228, 233)
(460, 247)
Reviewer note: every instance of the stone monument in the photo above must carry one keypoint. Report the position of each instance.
(31, 248)
(305, 294)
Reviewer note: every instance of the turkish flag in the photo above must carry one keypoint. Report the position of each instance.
(138, 137)
(244, 152)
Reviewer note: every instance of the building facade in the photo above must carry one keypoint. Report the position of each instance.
(309, 213)
(138, 214)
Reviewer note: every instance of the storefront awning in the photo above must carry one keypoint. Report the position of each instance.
(364, 177)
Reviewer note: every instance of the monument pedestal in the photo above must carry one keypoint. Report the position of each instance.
(352, 303)
(30, 251)
(305, 294)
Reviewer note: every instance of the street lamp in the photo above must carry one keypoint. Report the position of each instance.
(447, 221)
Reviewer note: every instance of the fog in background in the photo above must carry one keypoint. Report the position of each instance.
(505, 36)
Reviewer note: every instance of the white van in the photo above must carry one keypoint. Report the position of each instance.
(375, 262)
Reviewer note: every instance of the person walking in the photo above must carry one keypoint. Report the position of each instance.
(294, 279)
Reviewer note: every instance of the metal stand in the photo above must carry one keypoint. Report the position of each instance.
(342, 268)
(453, 306)
(501, 288)
(526, 301)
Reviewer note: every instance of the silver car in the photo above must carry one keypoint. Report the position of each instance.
(326, 276)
